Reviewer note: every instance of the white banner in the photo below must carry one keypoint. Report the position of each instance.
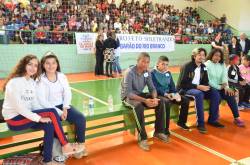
(146, 43)
(128, 43)
(85, 42)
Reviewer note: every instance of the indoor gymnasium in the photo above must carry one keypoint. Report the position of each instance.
(117, 82)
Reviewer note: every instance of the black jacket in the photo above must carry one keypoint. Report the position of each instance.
(99, 48)
(237, 50)
(234, 70)
(187, 74)
(117, 42)
(110, 43)
(247, 47)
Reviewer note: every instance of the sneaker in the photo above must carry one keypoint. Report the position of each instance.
(60, 159)
(161, 136)
(81, 154)
(71, 149)
(241, 107)
(202, 129)
(239, 122)
(143, 144)
(246, 105)
(216, 124)
(183, 126)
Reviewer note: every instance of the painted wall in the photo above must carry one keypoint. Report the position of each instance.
(237, 12)
(244, 23)
(71, 62)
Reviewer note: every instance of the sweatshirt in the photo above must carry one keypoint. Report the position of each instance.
(217, 74)
(163, 82)
(20, 99)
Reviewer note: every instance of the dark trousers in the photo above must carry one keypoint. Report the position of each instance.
(19, 123)
(138, 109)
(231, 101)
(77, 118)
(99, 65)
(109, 68)
(244, 91)
(198, 97)
(184, 104)
(215, 96)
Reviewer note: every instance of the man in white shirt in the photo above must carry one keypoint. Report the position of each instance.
(245, 43)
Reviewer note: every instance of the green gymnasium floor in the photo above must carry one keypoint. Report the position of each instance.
(100, 91)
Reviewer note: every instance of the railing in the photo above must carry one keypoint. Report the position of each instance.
(62, 37)
(36, 37)
(200, 10)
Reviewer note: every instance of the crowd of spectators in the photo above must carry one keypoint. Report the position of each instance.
(53, 22)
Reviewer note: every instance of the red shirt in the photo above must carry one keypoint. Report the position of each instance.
(137, 26)
(40, 35)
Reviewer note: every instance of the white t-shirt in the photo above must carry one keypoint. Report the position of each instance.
(55, 92)
(243, 44)
(51, 94)
(197, 76)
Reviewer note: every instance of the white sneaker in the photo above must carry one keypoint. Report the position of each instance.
(241, 108)
(144, 145)
(82, 153)
(162, 137)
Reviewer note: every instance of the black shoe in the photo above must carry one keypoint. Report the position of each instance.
(183, 126)
(202, 129)
(216, 124)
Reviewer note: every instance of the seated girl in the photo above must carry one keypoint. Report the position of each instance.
(21, 109)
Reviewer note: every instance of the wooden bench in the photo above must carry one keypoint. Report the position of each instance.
(99, 124)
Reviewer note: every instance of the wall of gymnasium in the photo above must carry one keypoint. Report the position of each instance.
(237, 12)
(244, 23)
(71, 62)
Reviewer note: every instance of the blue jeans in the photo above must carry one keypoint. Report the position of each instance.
(78, 119)
(199, 96)
(116, 65)
(231, 101)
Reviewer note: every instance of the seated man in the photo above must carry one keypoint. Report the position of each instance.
(132, 86)
(166, 90)
(193, 82)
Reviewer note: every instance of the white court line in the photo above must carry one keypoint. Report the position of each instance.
(85, 94)
(74, 82)
(225, 157)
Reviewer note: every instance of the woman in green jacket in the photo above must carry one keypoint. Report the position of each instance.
(218, 79)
